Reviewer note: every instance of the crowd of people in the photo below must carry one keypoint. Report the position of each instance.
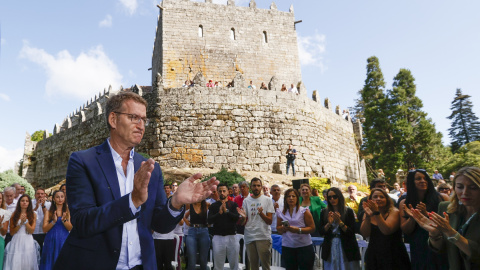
(245, 215)
(420, 214)
(263, 86)
(32, 230)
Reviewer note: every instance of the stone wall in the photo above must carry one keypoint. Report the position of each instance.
(180, 53)
(237, 128)
(246, 129)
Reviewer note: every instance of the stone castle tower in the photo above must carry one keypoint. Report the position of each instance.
(221, 40)
(233, 127)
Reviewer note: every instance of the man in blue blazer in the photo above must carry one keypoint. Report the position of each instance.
(116, 196)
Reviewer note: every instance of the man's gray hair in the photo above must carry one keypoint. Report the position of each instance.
(243, 183)
(275, 186)
(116, 101)
(12, 189)
(15, 184)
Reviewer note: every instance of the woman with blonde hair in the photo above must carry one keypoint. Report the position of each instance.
(313, 203)
(454, 229)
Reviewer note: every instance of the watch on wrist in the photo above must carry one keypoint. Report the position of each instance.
(455, 238)
(299, 230)
(376, 213)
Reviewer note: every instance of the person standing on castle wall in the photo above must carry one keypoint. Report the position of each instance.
(210, 83)
(252, 86)
(291, 155)
(293, 89)
(263, 86)
(284, 88)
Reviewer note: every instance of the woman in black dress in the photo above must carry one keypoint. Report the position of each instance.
(422, 196)
(381, 223)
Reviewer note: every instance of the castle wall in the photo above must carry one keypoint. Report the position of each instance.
(247, 129)
(184, 54)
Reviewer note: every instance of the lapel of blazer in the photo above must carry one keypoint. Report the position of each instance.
(137, 161)
(105, 159)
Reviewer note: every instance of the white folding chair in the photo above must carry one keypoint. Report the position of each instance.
(276, 260)
(177, 244)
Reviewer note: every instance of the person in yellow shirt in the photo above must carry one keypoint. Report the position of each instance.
(353, 201)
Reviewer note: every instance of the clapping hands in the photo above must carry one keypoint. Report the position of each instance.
(370, 207)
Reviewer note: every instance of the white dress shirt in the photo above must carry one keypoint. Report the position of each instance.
(130, 252)
(274, 216)
(40, 216)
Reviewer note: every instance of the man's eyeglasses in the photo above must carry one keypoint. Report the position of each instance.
(332, 197)
(442, 189)
(135, 118)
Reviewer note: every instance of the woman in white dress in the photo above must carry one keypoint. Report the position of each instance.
(22, 252)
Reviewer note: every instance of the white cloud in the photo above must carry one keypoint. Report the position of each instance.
(5, 97)
(80, 77)
(311, 50)
(130, 5)
(8, 158)
(107, 22)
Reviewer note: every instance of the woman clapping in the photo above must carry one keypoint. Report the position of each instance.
(340, 248)
(386, 249)
(295, 223)
(56, 223)
(455, 228)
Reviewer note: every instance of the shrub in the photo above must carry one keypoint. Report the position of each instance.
(320, 184)
(7, 178)
(360, 187)
(224, 176)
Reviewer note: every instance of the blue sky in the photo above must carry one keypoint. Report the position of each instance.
(55, 55)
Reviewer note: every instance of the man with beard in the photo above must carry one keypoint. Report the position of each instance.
(257, 210)
(223, 215)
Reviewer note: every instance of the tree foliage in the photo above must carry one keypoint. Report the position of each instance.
(465, 125)
(38, 135)
(467, 155)
(7, 178)
(398, 133)
(224, 176)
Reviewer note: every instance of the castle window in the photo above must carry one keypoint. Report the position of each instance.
(265, 39)
(232, 34)
(200, 31)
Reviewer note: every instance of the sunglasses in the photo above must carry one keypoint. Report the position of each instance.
(442, 189)
(332, 197)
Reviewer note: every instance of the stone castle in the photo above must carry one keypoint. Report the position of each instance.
(234, 127)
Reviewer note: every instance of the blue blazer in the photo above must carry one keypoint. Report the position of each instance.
(98, 212)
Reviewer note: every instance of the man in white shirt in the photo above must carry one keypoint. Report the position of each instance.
(17, 190)
(293, 89)
(11, 203)
(116, 196)
(40, 206)
(258, 210)
(277, 200)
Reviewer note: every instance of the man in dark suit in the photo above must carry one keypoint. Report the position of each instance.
(116, 196)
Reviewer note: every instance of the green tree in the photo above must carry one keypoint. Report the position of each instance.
(7, 178)
(467, 155)
(372, 106)
(38, 135)
(465, 125)
(224, 176)
(415, 140)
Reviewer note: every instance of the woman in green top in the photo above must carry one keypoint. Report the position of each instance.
(314, 204)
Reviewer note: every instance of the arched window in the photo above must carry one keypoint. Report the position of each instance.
(232, 34)
(265, 39)
(200, 31)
